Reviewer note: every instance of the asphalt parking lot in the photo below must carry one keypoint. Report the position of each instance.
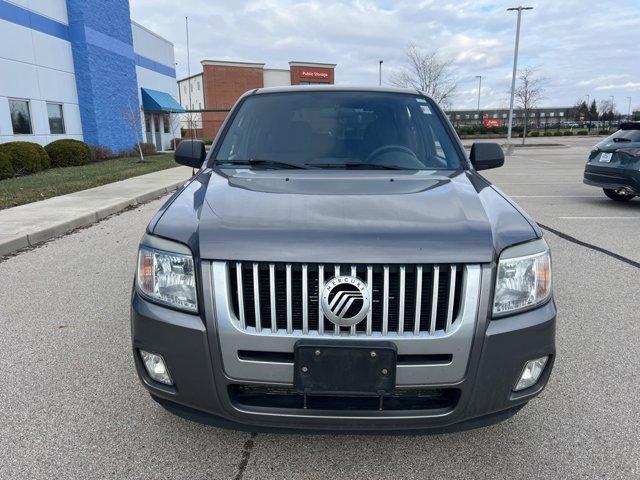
(72, 407)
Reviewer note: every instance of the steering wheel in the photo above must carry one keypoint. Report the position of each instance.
(409, 160)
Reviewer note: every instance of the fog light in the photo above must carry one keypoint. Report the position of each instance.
(531, 373)
(156, 368)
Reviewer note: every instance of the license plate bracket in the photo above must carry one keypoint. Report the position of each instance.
(339, 368)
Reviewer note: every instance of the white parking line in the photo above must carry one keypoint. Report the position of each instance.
(555, 196)
(599, 218)
(540, 183)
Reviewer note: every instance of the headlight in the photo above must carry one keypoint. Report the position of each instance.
(168, 278)
(524, 278)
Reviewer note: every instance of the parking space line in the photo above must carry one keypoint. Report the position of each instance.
(599, 218)
(555, 196)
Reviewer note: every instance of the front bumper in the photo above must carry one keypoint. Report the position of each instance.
(191, 347)
(612, 177)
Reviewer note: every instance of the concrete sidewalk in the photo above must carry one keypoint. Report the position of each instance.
(34, 223)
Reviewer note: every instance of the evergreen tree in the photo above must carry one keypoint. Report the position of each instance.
(593, 111)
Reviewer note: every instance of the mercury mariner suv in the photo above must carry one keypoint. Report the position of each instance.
(338, 263)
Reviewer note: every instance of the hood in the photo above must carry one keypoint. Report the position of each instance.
(342, 217)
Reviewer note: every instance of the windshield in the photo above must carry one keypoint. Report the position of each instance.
(367, 130)
(621, 137)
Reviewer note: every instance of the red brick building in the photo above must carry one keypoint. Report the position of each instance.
(212, 93)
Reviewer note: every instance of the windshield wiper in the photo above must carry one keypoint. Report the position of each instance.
(355, 165)
(259, 162)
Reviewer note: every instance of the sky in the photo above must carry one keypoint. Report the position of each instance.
(579, 47)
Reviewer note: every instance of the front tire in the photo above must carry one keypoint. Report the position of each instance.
(613, 195)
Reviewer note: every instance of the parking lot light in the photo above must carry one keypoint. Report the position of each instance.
(156, 367)
(531, 373)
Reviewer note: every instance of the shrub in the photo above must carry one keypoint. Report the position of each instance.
(147, 148)
(6, 169)
(534, 134)
(100, 153)
(26, 157)
(582, 132)
(548, 133)
(558, 134)
(568, 133)
(603, 132)
(208, 141)
(68, 153)
(174, 143)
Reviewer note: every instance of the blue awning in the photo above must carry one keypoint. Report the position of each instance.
(155, 101)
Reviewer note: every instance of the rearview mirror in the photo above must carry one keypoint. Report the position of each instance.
(486, 155)
(190, 153)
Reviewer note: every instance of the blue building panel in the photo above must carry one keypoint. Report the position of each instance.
(104, 62)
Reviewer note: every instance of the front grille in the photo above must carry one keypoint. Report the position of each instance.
(405, 299)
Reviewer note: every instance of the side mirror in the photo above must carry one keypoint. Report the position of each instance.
(190, 153)
(486, 155)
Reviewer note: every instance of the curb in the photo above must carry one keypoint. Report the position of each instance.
(13, 244)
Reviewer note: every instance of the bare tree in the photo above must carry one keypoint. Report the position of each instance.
(528, 94)
(428, 72)
(607, 110)
(131, 117)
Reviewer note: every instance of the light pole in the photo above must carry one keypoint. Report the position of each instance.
(588, 112)
(611, 115)
(515, 68)
(479, 77)
(629, 110)
(380, 73)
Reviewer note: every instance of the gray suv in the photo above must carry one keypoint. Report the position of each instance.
(338, 263)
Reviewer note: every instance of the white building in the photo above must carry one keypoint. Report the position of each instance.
(75, 69)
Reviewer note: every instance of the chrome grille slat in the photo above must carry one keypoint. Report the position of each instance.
(354, 273)
(434, 300)
(385, 301)
(272, 297)
(416, 320)
(239, 286)
(452, 288)
(320, 312)
(336, 271)
(256, 296)
(369, 329)
(289, 307)
(285, 298)
(305, 301)
(401, 301)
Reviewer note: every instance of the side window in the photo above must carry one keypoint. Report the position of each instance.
(20, 117)
(56, 119)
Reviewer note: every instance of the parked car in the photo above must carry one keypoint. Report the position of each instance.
(614, 164)
(339, 263)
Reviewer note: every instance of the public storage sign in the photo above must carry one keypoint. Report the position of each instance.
(314, 73)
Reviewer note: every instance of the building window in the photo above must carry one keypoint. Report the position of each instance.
(552, 114)
(495, 115)
(166, 123)
(20, 117)
(504, 115)
(457, 117)
(56, 118)
(198, 85)
(561, 114)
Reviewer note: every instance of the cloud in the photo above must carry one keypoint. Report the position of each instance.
(580, 47)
